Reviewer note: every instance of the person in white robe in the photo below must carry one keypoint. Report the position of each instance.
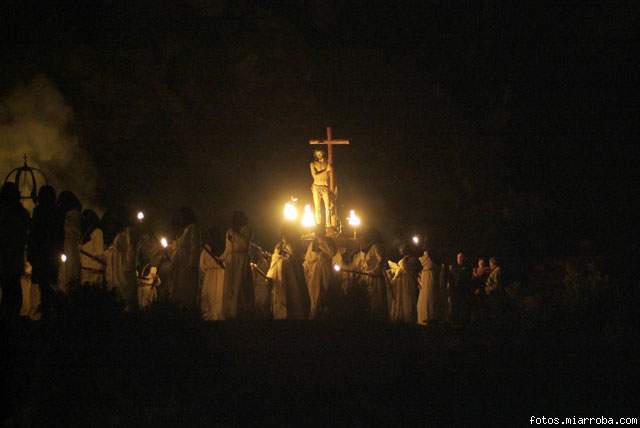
(260, 263)
(427, 295)
(212, 269)
(92, 250)
(289, 294)
(405, 287)
(120, 271)
(345, 280)
(373, 266)
(238, 287)
(185, 260)
(69, 272)
(317, 268)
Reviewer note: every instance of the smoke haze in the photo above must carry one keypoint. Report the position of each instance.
(36, 120)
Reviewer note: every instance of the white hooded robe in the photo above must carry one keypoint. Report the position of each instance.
(427, 295)
(212, 294)
(238, 286)
(404, 290)
(92, 271)
(317, 269)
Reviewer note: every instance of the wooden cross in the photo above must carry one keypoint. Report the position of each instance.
(329, 142)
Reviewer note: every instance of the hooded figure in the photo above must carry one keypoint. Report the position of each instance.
(45, 247)
(92, 251)
(14, 224)
(404, 287)
(427, 295)
(120, 257)
(212, 268)
(238, 287)
(185, 279)
(69, 208)
(289, 294)
(318, 271)
(374, 265)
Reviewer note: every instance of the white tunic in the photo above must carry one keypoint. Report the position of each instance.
(92, 271)
(212, 294)
(427, 295)
(185, 278)
(317, 269)
(372, 265)
(282, 275)
(121, 273)
(404, 290)
(238, 287)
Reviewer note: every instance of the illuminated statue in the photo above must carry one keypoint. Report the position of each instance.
(320, 170)
(324, 181)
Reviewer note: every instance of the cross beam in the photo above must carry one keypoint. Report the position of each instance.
(329, 142)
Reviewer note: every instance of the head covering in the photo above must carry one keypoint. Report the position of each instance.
(47, 196)
(68, 201)
(213, 238)
(182, 218)
(239, 219)
(9, 195)
(90, 222)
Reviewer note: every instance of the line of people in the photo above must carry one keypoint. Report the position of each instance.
(230, 277)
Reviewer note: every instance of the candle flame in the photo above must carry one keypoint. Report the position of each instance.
(353, 219)
(164, 242)
(416, 240)
(336, 267)
(140, 215)
(308, 219)
(290, 212)
(63, 258)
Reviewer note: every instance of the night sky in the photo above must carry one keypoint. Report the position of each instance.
(500, 128)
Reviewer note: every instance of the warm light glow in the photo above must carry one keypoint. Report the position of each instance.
(63, 258)
(336, 267)
(308, 219)
(164, 243)
(140, 215)
(290, 212)
(416, 240)
(353, 219)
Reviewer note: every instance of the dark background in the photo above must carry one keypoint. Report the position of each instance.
(500, 128)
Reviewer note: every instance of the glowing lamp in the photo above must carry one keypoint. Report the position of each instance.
(63, 258)
(290, 212)
(164, 243)
(336, 267)
(353, 219)
(308, 219)
(140, 216)
(416, 240)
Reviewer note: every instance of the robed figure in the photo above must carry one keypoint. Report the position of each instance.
(238, 286)
(288, 295)
(428, 290)
(404, 288)
(185, 279)
(318, 272)
(212, 268)
(373, 266)
(92, 250)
